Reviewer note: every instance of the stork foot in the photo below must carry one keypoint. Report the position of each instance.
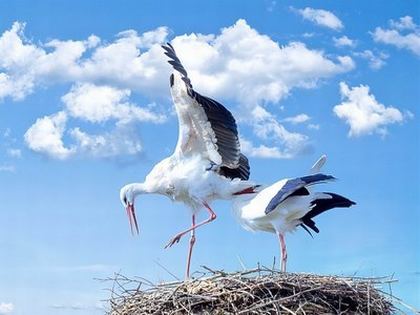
(174, 240)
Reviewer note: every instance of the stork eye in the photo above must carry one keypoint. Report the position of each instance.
(125, 199)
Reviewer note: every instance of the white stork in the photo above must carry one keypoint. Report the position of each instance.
(207, 163)
(288, 204)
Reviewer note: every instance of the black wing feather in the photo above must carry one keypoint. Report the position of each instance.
(176, 63)
(221, 120)
(224, 127)
(242, 171)
(293, 185)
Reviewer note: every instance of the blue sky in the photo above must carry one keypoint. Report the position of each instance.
(85, 109)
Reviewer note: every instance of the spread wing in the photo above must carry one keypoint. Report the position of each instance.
(296, 187)
(206, 127)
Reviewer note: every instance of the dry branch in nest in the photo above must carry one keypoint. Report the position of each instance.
(257, 291)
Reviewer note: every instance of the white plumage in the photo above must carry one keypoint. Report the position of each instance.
(286, 205)
(207, 163)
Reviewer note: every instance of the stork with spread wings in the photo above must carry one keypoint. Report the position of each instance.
(207, 163)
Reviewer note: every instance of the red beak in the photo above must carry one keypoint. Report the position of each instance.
(131, 213)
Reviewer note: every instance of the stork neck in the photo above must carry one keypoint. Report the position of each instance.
(140, 188)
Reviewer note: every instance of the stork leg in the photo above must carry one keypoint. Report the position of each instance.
(190, 249)
(283, 252)
(177, 237)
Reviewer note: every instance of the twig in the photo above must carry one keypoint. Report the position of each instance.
(164, 268)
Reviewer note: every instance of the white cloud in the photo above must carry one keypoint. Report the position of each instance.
(100, 103)
(8, 143)
(94, 104)
(238, 64)
(120, 141)
(16, 59)
(6, 308)
(363, 113)
(26, 65)
(398, 36)
(231, 65)
(308, 35)
(313, 126)
(376, 61)
(251, 68)
(124, 63)
(404, 23)
(298, 119)
(45, 136)
(16, 153)
(344, 41)
(157, 36)
(267, 128)
(293, 143)
(321, 17)
(262, 151)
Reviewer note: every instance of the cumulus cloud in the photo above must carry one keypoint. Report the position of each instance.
(262, 151)
(251, 68)
(237, 64)
(122, 63)
(100, 103)
(404, 34)
(45, 136)
(321, 17)
(283, 143)
(120, 141)
(94, 104)
(227, 64)
(16, 59)
(298, 119)
(6, 308)
(151, 38)
(344, 41)
(292, 143)
(376, 60)
(404, 23)
(363, 113)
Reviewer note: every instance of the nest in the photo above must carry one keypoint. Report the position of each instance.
(257, 291)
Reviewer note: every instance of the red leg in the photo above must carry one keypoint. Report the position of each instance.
(192, 241)
(177, 237)
(283, 252)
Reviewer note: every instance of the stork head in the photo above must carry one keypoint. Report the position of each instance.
(127, 195)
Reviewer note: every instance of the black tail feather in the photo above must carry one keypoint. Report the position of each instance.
(322, 205)
(310, 224)
(306, 229)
